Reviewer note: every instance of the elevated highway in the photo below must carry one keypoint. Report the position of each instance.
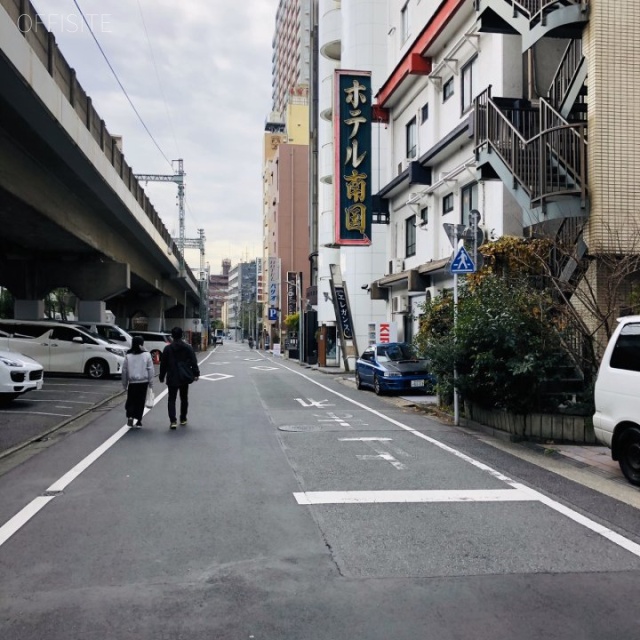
(72, 213)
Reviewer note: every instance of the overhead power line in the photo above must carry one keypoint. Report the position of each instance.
(115, 75)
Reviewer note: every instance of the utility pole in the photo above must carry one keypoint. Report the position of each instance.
(182, 242)
(178, 178)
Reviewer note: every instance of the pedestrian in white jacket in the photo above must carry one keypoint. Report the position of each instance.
(137, 377)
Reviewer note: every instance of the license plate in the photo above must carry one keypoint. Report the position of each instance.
(417, 383)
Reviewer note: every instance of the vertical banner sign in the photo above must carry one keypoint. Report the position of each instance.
(352, 179)
(259, 280)
(343, 312)
(292, 297)
(274, 280)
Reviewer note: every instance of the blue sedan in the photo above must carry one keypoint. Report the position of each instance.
(393, 366)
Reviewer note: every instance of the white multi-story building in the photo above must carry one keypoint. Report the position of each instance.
(483, 107)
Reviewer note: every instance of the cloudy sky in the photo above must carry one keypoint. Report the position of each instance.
(199, 74)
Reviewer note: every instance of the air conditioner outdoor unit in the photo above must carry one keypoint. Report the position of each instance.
(398, 265)
(399, 304)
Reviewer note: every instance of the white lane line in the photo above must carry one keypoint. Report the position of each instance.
(72, 474)
(590, 524)
(23, 516)
(10, 527)
(403, 497)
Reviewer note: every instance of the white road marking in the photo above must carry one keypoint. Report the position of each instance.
(214, 377)
(387, 497)
(22, 517)
(590, 524)
(364, 439)
(321, 404)
(383, 455)
(266, 368)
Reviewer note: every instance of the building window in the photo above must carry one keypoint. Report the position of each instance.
(447, 89)
(424, 216)
(468, 89)
(468, 201)
(424, 113)
(412, 139)
(404, 22)
(447, 203)
(410, 236)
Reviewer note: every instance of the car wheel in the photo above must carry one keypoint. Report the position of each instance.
(6, 398)
(376, 386)
(358, 381)
(97, 369)
(629, 455)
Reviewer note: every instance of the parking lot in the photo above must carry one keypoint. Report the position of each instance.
(35, 414)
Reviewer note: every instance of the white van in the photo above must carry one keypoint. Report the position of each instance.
(616, 421)
(62, 348)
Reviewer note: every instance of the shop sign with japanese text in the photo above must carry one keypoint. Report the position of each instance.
(352, 179)
(292, 298)
(343, 313)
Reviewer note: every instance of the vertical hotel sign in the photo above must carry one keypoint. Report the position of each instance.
(352, 173)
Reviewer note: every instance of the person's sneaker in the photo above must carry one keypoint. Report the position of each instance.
(129, 422)
(183, 422)
(138, 424)
(173, 425)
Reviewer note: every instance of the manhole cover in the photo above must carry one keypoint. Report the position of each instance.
(299, 427)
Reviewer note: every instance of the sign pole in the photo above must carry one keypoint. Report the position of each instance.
(456, 408)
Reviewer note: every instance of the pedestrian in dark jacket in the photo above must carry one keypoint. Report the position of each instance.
(179, 367)
(137, 377)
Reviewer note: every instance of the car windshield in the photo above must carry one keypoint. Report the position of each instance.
(397, 352)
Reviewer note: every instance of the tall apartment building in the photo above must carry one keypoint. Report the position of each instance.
(285, 168)
(290, 60)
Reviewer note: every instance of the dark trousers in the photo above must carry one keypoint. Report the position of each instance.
(136, 396)
(184, 402)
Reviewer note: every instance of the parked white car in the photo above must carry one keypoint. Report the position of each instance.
(154, 342)
(616, 420)
(18, 374)
(62, 348)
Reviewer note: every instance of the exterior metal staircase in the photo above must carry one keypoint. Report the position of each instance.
(538, 154)
(533, 19)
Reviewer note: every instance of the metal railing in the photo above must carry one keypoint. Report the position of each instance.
(565, 72)
(537, 10)
(551, 162)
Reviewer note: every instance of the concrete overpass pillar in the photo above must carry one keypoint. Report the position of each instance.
(92, 310)
(28, 309)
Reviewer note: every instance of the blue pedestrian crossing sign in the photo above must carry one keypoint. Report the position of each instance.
(462, 263)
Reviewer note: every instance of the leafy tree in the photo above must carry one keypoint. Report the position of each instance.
(504, 346)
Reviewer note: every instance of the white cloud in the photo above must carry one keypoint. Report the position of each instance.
(205, 100)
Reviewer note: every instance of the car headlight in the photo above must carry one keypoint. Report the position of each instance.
(10, 363)
(117, 352)
(392, 374)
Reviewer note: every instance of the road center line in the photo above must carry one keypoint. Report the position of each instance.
(590, 524)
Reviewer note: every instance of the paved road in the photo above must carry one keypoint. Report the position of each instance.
(294, 507)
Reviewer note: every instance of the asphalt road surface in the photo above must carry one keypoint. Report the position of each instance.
(293, 507)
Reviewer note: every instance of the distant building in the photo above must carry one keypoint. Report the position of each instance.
(218, 291)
